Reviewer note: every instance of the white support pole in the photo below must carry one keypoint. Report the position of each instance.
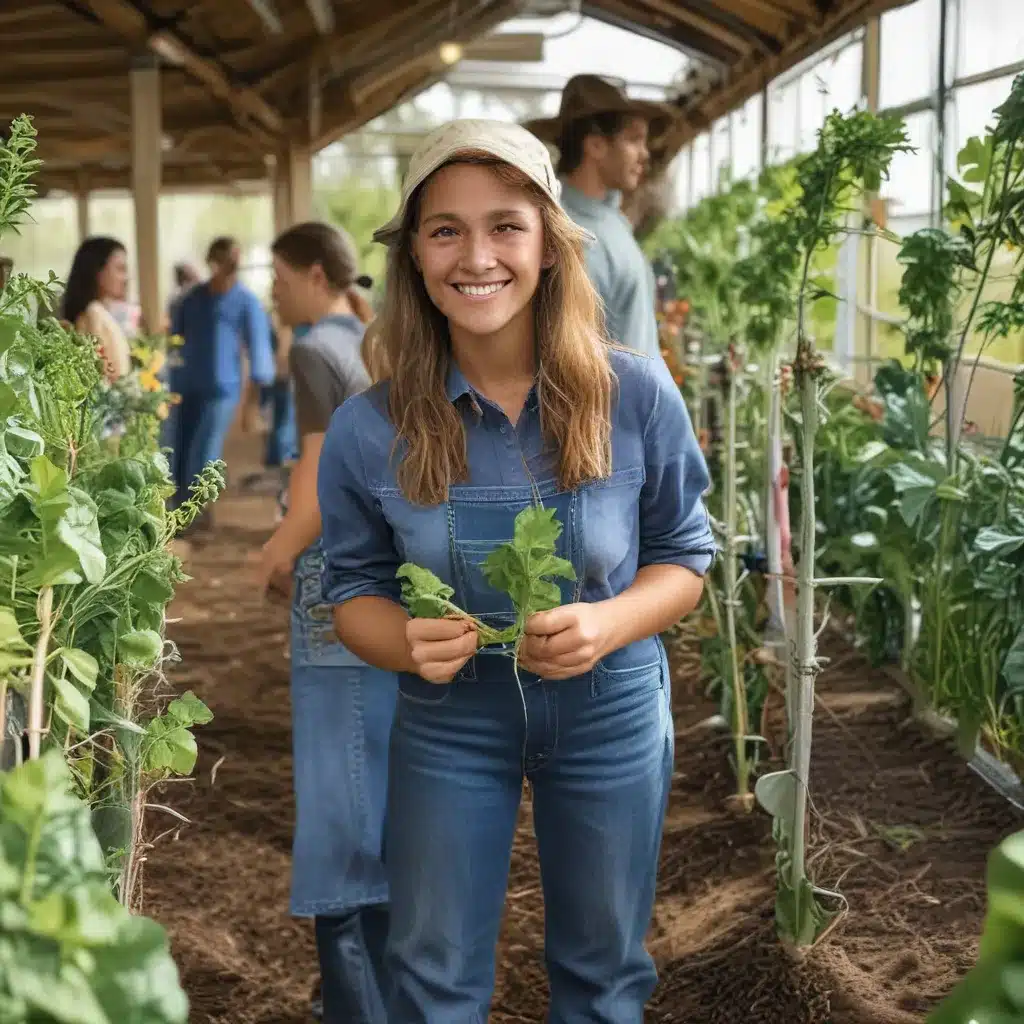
(146, 166)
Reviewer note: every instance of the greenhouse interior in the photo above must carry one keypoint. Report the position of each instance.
(243, 656)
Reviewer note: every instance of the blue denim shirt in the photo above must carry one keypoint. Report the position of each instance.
(649, 511)
(215, 327)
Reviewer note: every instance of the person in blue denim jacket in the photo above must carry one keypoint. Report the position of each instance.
(501, 389)
(342, 708)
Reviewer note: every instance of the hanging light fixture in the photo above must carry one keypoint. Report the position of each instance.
(450, 53)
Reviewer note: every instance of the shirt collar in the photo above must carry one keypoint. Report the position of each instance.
(457, 385)
(612, 201)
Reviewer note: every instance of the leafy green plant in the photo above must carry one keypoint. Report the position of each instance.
(69, 952)
(993, 990)
(524, 568)
(85, 567)
(852, 156)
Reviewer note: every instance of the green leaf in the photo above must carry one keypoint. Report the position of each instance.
(23, 443)
(524, 567)
(189, 710)
(48, 479)
(72, 705)
(69, 952)
(423, 594)
(170, 748)
(10, 631)
(992, 538)
(78, 529)
(140, 649)
(82, 665)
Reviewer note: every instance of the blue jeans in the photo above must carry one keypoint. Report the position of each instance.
(598, 750)
(195, 431)
(282, 439)
(341, 720)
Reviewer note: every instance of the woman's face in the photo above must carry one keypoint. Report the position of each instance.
(112, 282)
(480, 247)
(294, 292)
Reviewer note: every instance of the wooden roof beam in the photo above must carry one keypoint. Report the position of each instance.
(266, 11)
(674, 9)
(128, 22)
(322, 13)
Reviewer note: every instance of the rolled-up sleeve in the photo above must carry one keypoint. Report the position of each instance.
(360, 559)
(674, 525)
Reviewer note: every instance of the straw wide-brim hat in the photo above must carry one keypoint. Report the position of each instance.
(588, 95)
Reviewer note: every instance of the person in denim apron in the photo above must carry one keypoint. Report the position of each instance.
(502, 390)
(342, 708)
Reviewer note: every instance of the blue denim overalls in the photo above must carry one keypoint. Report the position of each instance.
(342, 711)
(598, 750)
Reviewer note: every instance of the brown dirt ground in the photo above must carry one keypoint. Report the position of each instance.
(899, 825)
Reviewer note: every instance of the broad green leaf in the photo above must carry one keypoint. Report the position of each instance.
(48, 478)
(425, 596)
(189, 710)
(10, 631)
(1013, 664)
(79, 530)
(82, 665)
(72, 705)
(22, 442)
(140, 649)
(992, 538)
(170, 747)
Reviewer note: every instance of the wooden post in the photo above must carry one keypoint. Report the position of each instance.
(146, 166)
(281, 195)
(82, 209)
(300, 182)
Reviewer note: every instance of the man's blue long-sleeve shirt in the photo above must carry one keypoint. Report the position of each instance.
(215, 326)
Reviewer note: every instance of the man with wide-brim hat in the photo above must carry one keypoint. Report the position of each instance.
(602, 136)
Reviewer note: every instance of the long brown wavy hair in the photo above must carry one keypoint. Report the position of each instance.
(411, 348)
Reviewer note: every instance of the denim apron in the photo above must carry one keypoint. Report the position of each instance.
(342, 711)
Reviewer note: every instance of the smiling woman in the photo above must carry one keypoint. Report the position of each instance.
(504, 392)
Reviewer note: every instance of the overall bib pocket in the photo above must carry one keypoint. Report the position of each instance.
(480, 519)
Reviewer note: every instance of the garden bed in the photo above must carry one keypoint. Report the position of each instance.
(901, 826)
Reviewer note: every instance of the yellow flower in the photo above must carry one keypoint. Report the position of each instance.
(162, 410)
(157, 362)
(175, 341)
(148, 381)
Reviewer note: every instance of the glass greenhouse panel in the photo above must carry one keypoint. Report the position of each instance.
(701, 168)
(783, 122)
(990, 34)
(909, 188)
(721, 157)
(909, 53)
(970, 112)
(746, 139)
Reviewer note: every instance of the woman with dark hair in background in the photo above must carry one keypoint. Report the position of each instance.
(98, 276)
(341, 708)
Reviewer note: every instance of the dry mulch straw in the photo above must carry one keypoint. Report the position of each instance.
(899, 825)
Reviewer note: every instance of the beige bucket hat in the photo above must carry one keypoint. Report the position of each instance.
(510, 143)
(588, 95)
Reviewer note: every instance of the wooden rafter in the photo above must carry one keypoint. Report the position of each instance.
(322, 13)
(240, 78)
(131, 24)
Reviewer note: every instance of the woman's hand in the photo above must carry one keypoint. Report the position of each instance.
(273, 566)
(440, 647)
(566, 641)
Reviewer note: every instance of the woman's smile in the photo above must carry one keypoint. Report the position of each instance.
(481, 292)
